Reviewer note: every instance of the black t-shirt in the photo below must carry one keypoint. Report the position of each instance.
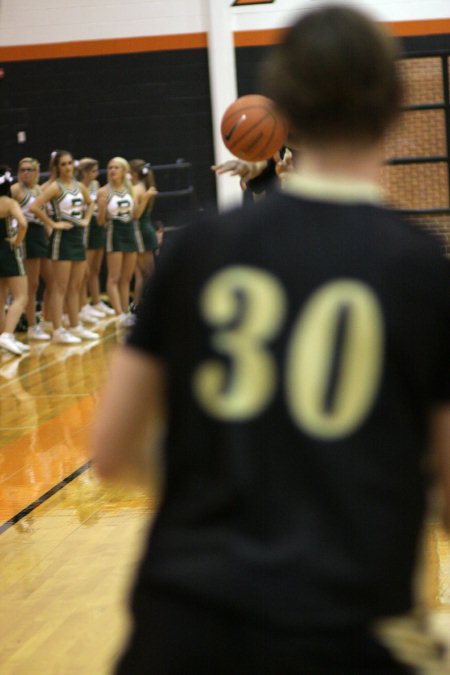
(305, 343)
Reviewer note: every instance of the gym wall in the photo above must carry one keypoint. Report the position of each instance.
(131, 79)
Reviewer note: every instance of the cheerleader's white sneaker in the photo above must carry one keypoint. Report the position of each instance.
(8, 343)
(87, 317)
(126, 320)
(83, 333)
(89, 310)
(104, 308)
(22, 346)
(62, 337)
(37, 333)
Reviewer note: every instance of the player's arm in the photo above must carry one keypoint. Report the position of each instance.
(238, 167)
(440, 445)
(130, 420)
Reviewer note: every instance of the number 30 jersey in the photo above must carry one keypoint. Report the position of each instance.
(306, 339)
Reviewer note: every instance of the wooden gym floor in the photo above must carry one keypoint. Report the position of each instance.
(68, 545)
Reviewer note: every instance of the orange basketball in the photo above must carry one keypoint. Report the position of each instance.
(252, 129)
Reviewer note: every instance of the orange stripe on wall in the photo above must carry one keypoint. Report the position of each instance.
(240, 3)
(132, 45)
(424, 27)
(399, 28)
(62, 50)
(258, 38)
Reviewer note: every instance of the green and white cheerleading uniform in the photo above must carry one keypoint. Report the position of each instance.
(35, 244)
(122, 231)
(11, 259)
(147, 239)
(96, 234)
(68, 206)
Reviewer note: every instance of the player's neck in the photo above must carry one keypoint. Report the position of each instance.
(356, 163)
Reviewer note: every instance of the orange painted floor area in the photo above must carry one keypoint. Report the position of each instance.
(47, 399)
(40, 459)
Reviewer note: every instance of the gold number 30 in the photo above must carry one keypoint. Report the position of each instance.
(334, 355)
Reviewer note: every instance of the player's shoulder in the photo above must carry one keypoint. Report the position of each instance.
(254, 214)
(203, 237)
(422, 237)
(415, 257)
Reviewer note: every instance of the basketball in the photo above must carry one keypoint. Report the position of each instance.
(252, 129)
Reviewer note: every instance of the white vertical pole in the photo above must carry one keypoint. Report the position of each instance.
(223, 86)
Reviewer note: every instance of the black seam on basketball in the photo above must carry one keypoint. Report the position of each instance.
(240, 113)
(274, 129)
(252, 145)
(254, 126)
(230, 133)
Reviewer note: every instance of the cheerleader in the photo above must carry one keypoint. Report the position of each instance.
(45, 319)
(116, 207)
(95, 238)
(145, 192)
(35, 244)
(13, 278)
(73, 209)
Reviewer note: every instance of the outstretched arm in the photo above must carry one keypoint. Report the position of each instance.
(238, 167)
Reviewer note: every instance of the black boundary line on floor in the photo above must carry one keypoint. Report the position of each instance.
(43, 498)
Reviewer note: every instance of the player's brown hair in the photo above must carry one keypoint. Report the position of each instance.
(334, 76)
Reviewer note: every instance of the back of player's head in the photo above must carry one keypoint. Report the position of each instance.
(334, 76)
(6, 180)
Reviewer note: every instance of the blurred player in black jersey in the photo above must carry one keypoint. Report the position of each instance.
(296, 356)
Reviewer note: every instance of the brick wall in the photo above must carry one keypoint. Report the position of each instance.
(421, 134)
